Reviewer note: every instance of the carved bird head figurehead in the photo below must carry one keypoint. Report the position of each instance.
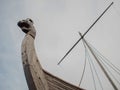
(27, 26)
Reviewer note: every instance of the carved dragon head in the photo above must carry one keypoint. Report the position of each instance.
(27, 26)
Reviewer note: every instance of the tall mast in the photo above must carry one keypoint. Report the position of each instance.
(101, 66)
(85, 33)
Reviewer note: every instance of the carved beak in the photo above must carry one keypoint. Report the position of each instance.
(24, 26)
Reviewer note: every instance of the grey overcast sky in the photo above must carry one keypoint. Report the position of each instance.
(57, 23)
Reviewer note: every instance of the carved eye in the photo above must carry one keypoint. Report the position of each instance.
(30, 20)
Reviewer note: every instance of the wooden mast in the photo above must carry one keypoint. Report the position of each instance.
(85, 33)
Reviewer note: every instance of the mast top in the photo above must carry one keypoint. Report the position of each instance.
(85, 33)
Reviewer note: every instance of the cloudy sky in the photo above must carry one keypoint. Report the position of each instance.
(57, 23)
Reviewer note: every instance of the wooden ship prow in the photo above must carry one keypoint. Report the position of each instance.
(37, 78)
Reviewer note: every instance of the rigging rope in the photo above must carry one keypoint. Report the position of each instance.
(110, 66)
(96, 74)
(88, 57)
(83, 69)
(97, 59)
(91, 71)
(100, 58)
(87, 54)
(110, 72)
(95, 71)
(117, 70)
(103, 69)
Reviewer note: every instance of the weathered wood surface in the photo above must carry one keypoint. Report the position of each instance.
(56, 83)
(36, 77)
(33, 70)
